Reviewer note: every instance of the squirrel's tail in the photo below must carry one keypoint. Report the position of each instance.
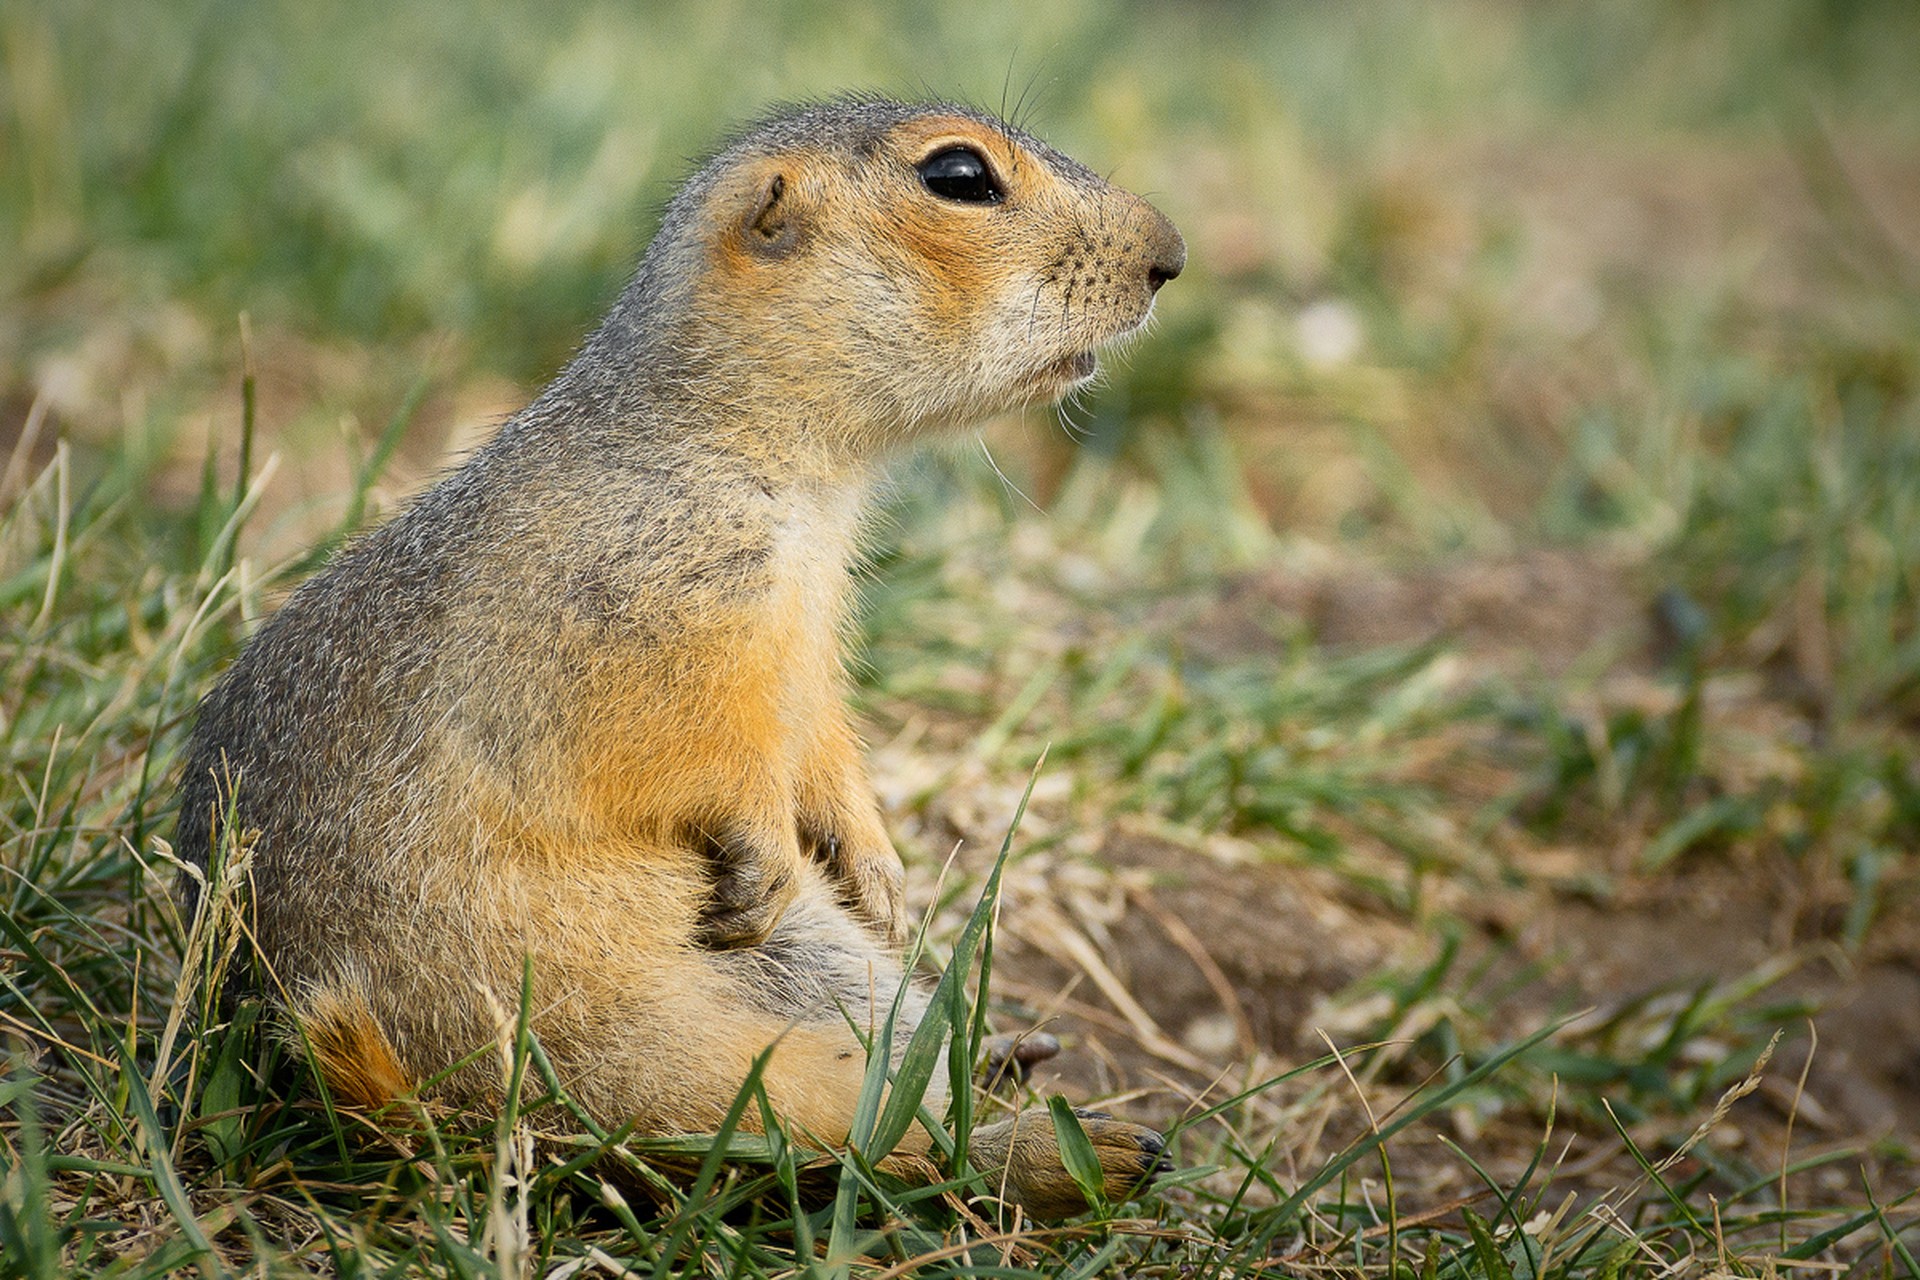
(353, 1054)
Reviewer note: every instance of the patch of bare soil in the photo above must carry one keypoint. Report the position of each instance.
(1210, 959)
(1206, 965)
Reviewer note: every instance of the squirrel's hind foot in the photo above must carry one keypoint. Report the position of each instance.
(1022, 1155)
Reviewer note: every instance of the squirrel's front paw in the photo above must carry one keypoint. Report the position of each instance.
(754, 879)
(870, 879)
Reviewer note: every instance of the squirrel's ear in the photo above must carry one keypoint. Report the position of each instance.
(771, 228)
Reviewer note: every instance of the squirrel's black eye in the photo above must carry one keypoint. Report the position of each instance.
(959, 173)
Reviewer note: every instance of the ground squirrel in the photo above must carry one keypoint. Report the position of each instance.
(584, 702)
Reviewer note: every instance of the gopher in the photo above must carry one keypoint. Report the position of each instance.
(582, 706)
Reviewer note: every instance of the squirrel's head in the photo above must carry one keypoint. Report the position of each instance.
(869, 270)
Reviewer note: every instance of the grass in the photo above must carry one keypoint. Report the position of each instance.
(1507, 547)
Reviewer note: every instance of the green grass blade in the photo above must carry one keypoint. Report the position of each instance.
(1077, 1153)
(160, 1161)
(923, 1050)
(694, 1213)
(1273, 1220)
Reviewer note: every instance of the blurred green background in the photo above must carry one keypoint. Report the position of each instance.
(489, 168)
(376, 172)
(1465, 275)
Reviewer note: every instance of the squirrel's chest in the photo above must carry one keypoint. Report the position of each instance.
(737, 688)
(775, 673)
(810, 546)
(789, 664)
(766, 633)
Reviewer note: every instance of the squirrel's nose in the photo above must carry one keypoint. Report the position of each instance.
(1167, 252)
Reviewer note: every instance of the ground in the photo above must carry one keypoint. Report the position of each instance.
(1179, 968)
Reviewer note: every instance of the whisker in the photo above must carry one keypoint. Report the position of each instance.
(994, 463)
